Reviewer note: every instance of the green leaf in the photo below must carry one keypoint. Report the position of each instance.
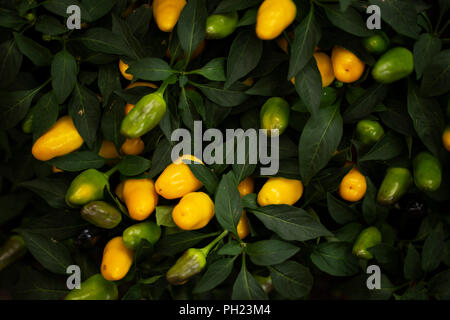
(228, 204)
(12, 205)
(246, 287)
(10, 62)
(412, 267)
(425, 49)
(340, 211)
(290, 223)
(52, 190)
(307, 36)
(436, 77)
(84, 108)
(388, 147)
(349, 20)
(104, 41)
(34, 285)
(427, 117)
(205, 175)
(111, 121)
(59, 7)
(108, 81)
(400, 15)
(245, 53)
(319, 140)
(64, 75)
(232, 248)
(308, 83)
(366, 103)
(213, 70)
(439, 285)
(133, 165)
(191, 26)
(49, 25)
(164, 216)
(270, 252)
(161, 157)
(175, 243)
(78, 161)
(10, 19)
(38, 54)
(369, 203)
(349, 232)
(224, 97)
(14, 106)
(45, 114)
(216, 273)
(291, 279)
(235, 5)
(53, 255)
(397, 118)
(336, 259)
(433, 249)
(388, 258)
(97, 8)
(152, 69)
(248, 18)
(57, 225)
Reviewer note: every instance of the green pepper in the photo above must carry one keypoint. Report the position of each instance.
(376, 44)
(395, 64)
(189, 264)
(219, 26)
(86, 187)
(101, 214)
(94, 288)
(274, 114)
(368, 238)
(12, 250)
(146, 115)
(427, 171)
(328, 97)
(395, 184)
(369, 131)
(133, 235)
(265, 282)
(27, 124)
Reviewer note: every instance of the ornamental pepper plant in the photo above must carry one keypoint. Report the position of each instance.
(117, 167)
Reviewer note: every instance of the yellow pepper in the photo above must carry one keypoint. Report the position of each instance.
(62, 138)
(177, 179)
(194, 211)
(140, 197)
(117, 260)
(167, 13)
(273, 17)
(280, 191)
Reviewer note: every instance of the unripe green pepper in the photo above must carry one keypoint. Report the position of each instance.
(94, 288)
(146, 115)
(369, 131)
(101, 214)
(427, 171)
(188, 265)
(264, 282)
(376, 44)
(27, 124)
(395, 184)
(133, 235)
(274, 114)
(368, 238)
(395, 64)
(86, 187)
(12, 250)
(329, 96)
(219, 26)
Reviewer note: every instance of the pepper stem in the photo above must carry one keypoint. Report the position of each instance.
(208, 248)
(111, 171)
